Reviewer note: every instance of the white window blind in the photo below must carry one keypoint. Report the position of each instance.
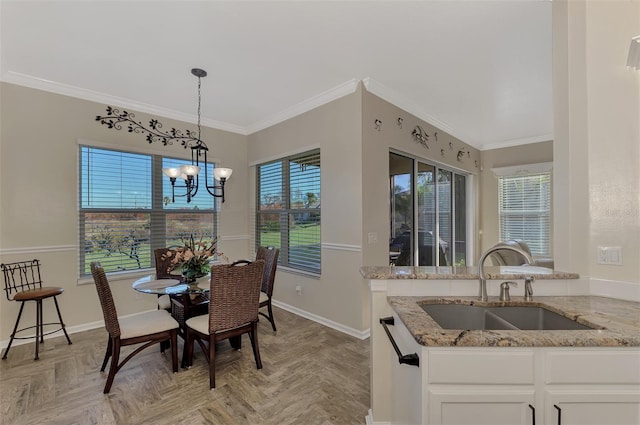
(525, 210)
(288, 209)
(126, 211)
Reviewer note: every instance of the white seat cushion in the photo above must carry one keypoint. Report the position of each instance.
(199, 323)
(263, 297)
(164, 302)
(146, 323)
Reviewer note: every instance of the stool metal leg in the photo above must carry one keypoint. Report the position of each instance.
(13, 334)
(55, 300)
(38, 327)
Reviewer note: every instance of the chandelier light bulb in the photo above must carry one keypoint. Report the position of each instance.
(171, 172)
(190, 170)
(222, 173)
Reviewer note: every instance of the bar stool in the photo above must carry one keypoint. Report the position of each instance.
(22, 283)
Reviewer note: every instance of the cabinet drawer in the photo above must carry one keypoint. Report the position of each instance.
(480, 367)
(593, 367)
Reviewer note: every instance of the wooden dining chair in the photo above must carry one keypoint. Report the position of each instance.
(147, 328)
(270, 257)
(233, 311)
(23, 283)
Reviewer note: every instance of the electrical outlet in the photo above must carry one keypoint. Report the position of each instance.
(372, 237)
(299, 290)
(610, 255)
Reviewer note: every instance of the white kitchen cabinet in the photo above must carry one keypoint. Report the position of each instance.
(478, 386)
(487, 385)
(406, 389)
(592, 406)
(488, 406)
(592, 387)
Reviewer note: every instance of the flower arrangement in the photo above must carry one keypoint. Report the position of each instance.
(193, 257)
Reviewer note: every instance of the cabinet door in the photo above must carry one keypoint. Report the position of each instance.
(592, 407)
(498, 406)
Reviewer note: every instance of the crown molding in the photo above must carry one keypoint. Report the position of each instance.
(341, 90)
(98, 97)
(332, 94)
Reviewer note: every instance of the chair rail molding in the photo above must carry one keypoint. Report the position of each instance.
(38, 249)
(341, 247)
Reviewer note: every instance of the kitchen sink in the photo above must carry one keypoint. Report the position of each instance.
(470, 317)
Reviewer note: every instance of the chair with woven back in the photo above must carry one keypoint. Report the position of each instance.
(270, 257)
(233, 311)
(163, 271)
(148, 328)
(197, 304)
(23, 283)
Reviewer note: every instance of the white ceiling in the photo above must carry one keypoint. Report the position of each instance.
(480, 70)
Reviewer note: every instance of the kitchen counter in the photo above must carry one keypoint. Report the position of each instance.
(458, 371)
(462, 272)
(618, 322)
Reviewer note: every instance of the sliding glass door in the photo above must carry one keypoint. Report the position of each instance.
(428, 214)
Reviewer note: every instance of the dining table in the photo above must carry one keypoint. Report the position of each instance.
(187, 300)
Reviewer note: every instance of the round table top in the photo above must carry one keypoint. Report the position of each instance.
(150, 285)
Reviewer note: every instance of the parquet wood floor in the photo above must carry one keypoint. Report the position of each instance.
(311, 375)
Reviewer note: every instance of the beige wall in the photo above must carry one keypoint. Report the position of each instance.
(355, 194)
(533, 153)
(597, 137)
(39, 134)
(339, 294)
(375, 154)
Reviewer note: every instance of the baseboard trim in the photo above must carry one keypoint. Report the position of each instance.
(323, 321)
(299, 312)
(369, 420)
(70, 330)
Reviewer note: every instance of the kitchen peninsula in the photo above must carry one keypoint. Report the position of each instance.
(509, 376)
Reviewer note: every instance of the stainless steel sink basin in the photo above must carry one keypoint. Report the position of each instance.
(469, 317)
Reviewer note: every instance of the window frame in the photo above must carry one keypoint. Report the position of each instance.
(468, 224)
(284, 213)
(157, 214)
(524, 171)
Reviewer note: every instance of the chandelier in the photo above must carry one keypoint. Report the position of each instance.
(190, 173)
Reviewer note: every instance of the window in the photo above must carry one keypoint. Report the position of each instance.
(125, 210)
(525, 207)
(288, 209)
(440, 216)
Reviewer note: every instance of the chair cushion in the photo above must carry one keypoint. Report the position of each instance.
(34, 294)
(146, 323)
(199, 323)
(263, 297)
(164, 302)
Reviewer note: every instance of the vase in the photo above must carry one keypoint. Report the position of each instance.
(197, 283)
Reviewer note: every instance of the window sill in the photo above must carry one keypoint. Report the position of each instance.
(299, 272)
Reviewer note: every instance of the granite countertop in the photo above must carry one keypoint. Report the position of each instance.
(618, 323)
(462, 272)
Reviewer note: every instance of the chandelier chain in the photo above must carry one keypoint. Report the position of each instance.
(199, 102)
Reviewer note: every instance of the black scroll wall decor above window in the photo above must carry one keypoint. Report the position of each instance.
(421, 136)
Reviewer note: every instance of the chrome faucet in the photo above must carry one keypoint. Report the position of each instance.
(482, 295)
(528, 291)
